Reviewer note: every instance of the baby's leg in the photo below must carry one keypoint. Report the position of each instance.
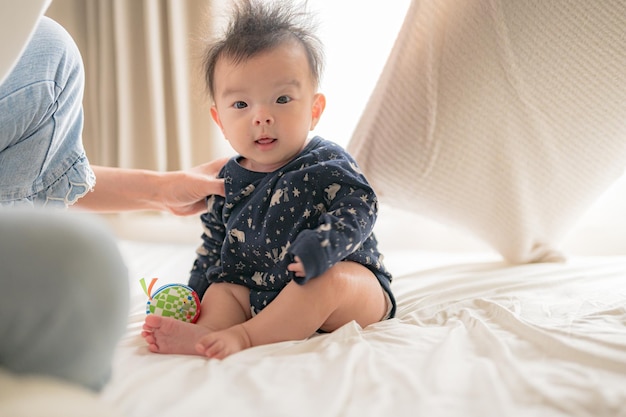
(223, 305)
(348, 291)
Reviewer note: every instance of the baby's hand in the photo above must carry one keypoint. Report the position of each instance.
(297, 268)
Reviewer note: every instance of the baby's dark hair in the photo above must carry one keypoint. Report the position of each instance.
(260, 25)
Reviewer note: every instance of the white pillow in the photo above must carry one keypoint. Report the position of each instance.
(504, 118)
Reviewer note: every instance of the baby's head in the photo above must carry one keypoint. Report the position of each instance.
(258, 26)
(263, 76)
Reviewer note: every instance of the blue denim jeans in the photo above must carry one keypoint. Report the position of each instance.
(42, 160)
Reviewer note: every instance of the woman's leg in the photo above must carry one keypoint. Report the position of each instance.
(64, 296)
(42, 161)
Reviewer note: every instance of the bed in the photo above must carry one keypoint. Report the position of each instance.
(473, 336)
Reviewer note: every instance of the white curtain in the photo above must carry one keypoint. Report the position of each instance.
(145, 101)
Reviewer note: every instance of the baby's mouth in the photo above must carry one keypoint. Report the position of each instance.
(265, 141)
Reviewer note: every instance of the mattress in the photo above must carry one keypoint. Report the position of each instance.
(473, 336)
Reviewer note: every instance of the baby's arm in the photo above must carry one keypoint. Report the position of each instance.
(209, 253)
(347, 222)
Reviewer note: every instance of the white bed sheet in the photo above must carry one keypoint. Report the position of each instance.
(472, 337)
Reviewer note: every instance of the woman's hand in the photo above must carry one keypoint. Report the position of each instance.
(183, 192)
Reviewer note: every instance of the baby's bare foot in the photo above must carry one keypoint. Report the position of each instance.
(168, 335)
(223, 343)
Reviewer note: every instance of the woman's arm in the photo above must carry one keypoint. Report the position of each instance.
(179, 192)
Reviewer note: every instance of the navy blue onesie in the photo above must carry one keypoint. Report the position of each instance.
(318, 207)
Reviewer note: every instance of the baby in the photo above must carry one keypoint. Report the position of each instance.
(290, 250)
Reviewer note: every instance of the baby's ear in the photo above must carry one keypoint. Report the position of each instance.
(216, 117)
(319, 104)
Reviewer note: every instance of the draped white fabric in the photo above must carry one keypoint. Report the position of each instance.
(145, 102)
(501, 118)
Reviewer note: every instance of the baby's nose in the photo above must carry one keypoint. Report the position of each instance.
(263, 118)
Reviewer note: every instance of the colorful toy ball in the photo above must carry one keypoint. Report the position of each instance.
(172, 300)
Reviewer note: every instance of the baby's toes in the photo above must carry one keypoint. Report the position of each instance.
(152, 321)
(148, 337)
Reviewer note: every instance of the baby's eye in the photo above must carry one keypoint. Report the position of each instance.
(283, 99)
(240, 104)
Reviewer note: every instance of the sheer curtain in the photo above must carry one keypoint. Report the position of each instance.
(145, 102)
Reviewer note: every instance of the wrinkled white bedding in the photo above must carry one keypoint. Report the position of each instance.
(472, 337)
